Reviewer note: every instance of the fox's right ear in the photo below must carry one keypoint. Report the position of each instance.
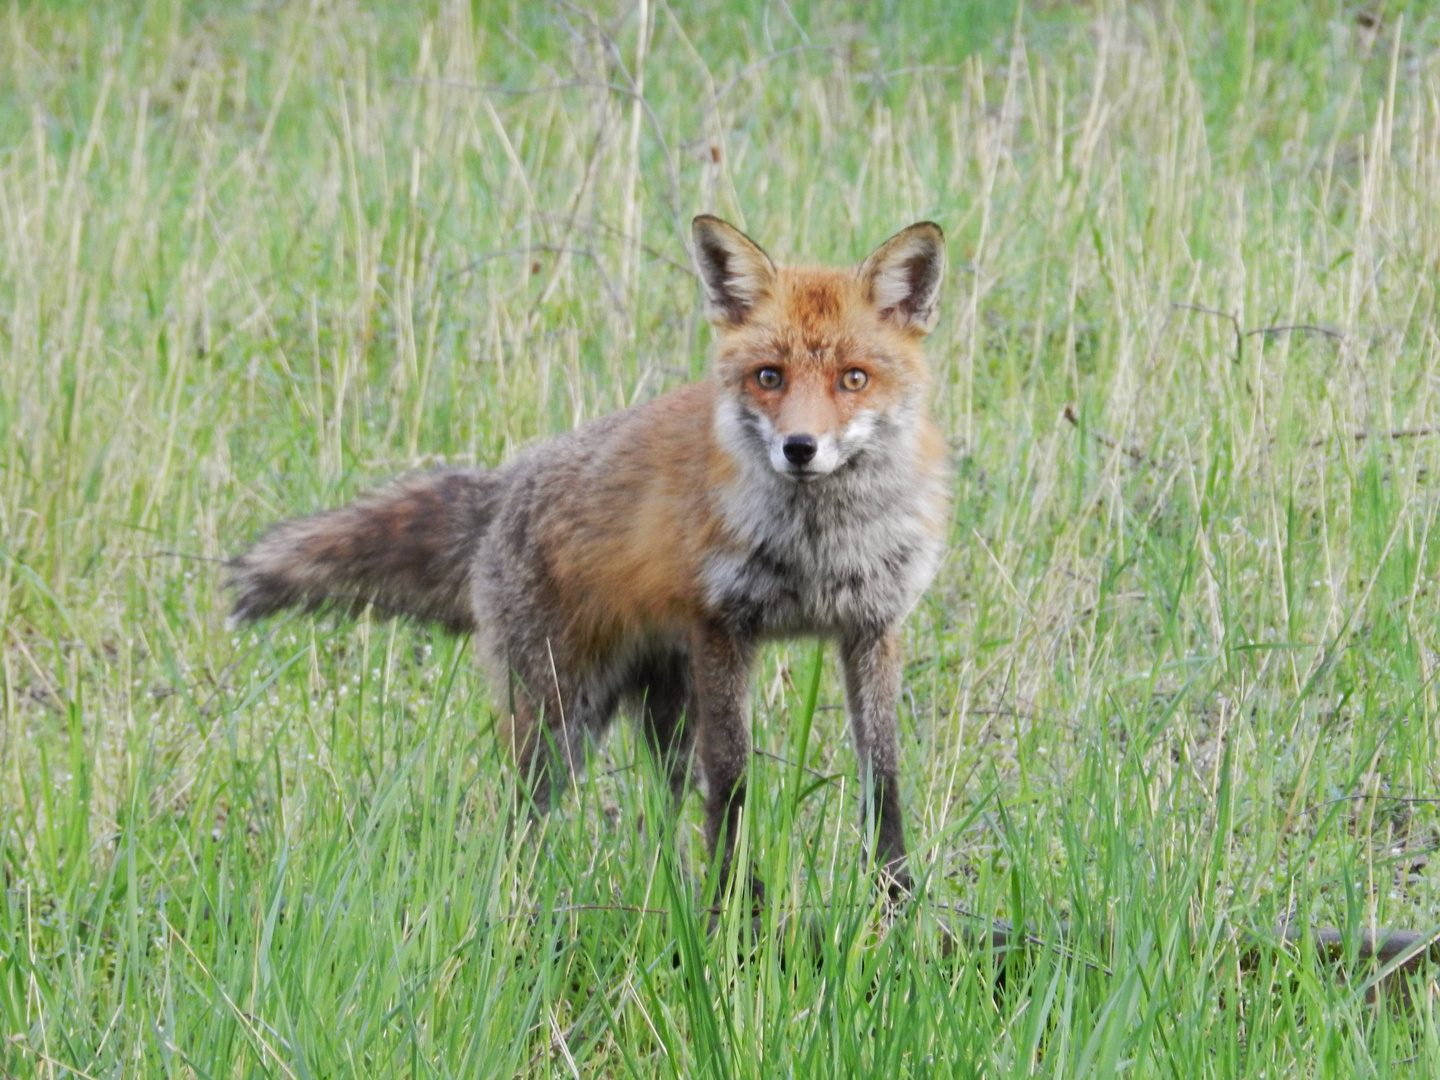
(735, 272)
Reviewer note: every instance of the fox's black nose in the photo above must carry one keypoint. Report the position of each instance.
(799, 449)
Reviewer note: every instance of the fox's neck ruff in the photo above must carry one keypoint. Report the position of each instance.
(849, 550)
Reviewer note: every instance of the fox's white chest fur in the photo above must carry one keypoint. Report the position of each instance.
(851, 550)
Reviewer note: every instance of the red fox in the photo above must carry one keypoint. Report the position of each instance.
(800, 489)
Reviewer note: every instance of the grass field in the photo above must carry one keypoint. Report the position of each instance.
(1173, 687)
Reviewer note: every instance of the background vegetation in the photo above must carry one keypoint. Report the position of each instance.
(1173, 687)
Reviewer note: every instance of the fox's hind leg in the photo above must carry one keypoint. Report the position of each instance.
(540, 760)
(721, 667)
(662, 686)
(551, 715)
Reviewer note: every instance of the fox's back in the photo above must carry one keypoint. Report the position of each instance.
(599, 526)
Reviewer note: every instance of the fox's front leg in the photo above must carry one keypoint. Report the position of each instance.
(872, 691)
(722, 737)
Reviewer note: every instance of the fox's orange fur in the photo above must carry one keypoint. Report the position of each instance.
(800, 489)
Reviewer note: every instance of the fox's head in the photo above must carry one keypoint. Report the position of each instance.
(819, 365)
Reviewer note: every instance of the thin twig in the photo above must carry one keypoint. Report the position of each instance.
(620, 234)
(1308, 328)
(1398, 433)
(766, 61)
(828, 777)
(918, 69)
(1115, 444)
(1234, 321)
(1242, 334)
(516, 91)
(164, 554)
(1405, 799)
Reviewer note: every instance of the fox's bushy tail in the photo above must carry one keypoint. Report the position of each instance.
(407, 549)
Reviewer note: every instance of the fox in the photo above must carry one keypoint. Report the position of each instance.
(639, 561)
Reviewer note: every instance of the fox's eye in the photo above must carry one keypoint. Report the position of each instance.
(854, 379)
(769, 378)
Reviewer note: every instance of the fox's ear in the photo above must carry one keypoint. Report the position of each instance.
(903, 276)
(736, 274)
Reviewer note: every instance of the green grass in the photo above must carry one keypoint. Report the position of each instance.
(1175, 682)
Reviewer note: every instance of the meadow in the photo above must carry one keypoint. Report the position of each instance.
(1172, 692)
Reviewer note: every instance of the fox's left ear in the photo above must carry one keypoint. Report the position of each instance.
(903, 276)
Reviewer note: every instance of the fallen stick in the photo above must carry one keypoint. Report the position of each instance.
(1411, 947)
(1397, 952)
